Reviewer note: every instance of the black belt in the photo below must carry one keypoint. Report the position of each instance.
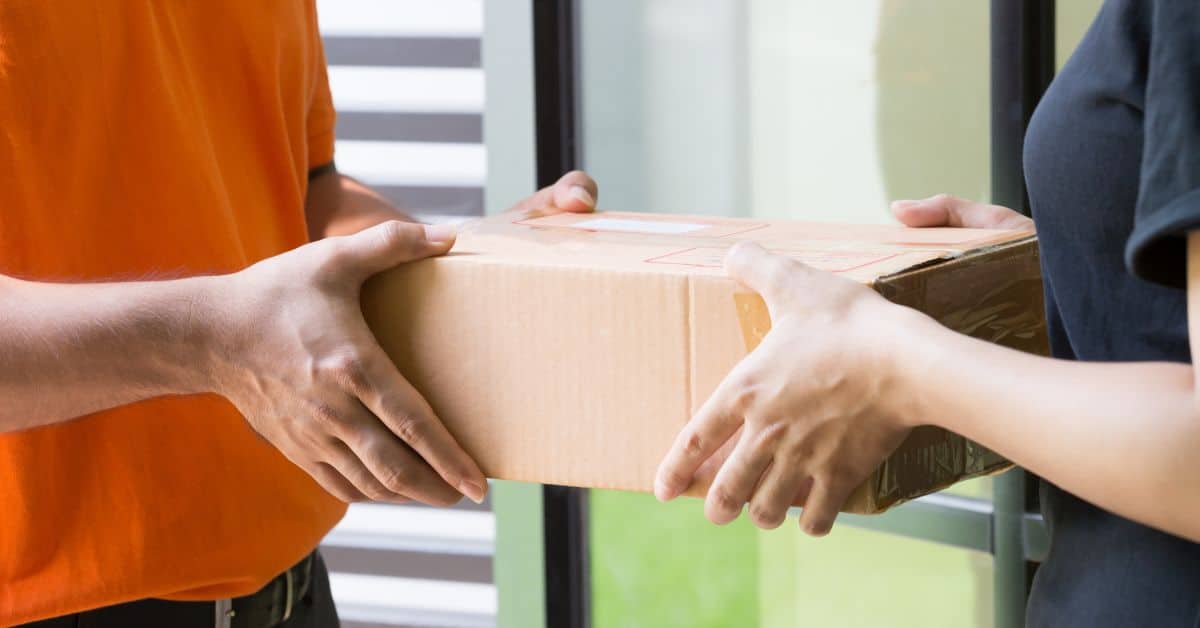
(265, 608)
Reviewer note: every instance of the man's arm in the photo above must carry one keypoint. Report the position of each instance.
(283, 340)
(73, 349)
(68, 350)
(339, 205)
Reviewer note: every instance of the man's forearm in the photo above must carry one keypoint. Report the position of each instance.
(67, 350)
(339, 205)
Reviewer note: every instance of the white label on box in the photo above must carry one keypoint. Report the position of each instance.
(639, 226)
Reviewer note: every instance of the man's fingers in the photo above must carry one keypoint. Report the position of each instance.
(945, 210)
(334, 483)
(825, 500)
(348, 464)
(375, 452)
(696, 442)
(406, 413)
(388, 245)
(769, 274)
(573, 192)
(741, 473)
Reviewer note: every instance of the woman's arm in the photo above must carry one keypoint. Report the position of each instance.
(844, 374)
(1124, 436)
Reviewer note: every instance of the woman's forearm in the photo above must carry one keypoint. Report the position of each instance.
(1124, 436)
(67, 350)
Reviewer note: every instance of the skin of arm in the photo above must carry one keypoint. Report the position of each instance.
(284, 340)
(68, 348)
(850, 373)
(340, 205)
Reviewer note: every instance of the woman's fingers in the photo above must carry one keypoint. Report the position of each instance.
(825, 500)
(707, 473)
(945, 210)
(740, 474)
(712, 426)
(780, 488)
(769, 274)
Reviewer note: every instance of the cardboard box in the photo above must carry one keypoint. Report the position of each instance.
(570, 349)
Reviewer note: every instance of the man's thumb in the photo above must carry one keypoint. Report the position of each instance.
(389, 244)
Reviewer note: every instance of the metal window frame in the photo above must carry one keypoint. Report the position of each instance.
(1009, 527)
(556, 146)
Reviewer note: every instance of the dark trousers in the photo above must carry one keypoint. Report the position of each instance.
(311, 609)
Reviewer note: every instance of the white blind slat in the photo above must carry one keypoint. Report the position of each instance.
(413, 528)
(407, 90)
(401, 18)
(413, 163)
(413, 601)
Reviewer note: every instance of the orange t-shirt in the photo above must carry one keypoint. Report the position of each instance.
(153, 139)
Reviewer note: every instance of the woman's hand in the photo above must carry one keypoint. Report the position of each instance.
(816, 402)
(945, 210)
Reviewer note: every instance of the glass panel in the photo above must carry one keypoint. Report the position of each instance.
(858, 578)
(784, 108)
(797, 109)
(979, 488)
(659, 565)
(665, 565)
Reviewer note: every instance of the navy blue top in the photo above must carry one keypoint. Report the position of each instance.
(1112, 158)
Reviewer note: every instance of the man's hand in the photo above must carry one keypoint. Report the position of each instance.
(945, 210)
(297, 359)
(338, 205)
(807, 410)
(574, 192)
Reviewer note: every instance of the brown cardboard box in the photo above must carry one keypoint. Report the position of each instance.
(570, 349)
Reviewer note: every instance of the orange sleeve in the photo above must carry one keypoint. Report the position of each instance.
(321, 115)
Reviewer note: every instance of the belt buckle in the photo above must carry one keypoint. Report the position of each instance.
(289, 594)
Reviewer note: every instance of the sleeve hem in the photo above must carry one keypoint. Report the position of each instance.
(1157, 249)
(320, 149)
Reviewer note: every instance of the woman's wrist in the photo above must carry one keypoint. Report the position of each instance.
(902, 339)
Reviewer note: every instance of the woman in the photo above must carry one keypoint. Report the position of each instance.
(1112, 421)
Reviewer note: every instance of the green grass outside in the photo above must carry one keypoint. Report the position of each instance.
(663, 565)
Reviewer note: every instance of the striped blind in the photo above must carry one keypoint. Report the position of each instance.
(408, 86)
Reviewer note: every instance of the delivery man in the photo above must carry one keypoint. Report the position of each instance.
(189, 392)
